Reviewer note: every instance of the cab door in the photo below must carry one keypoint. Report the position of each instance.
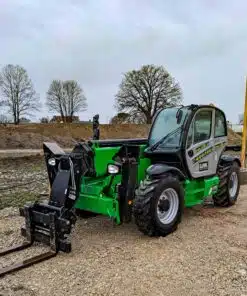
(200, 146)
(220, 133)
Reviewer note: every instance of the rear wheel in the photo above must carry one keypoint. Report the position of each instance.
(229, 185)
(158, 205)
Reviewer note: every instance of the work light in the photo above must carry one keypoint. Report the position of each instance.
(52, 161)
(113, 169)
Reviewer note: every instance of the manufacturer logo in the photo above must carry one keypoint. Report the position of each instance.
(203, 166)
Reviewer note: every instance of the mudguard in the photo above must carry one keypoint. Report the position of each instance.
(158, 169)
(229, 159)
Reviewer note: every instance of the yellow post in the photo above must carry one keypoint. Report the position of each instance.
(244, 131)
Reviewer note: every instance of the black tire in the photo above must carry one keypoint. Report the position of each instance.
(146, 202)
(84, 214)
(223, 197)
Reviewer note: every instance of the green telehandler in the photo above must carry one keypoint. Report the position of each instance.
(180, 164)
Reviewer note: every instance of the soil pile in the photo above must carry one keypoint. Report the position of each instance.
(32, 136)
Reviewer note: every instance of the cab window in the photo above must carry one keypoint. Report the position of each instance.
(220, 129)
(202, 126)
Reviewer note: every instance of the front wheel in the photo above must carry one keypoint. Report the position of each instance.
(158, 205)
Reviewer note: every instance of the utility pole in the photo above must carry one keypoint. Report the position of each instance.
(244, 131)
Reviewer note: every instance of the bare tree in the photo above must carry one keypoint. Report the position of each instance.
(145, 91)
(2, 103)
(122, 117)
(54, 99)
(66, 98)
(18, 92)
(74, 97)
(44, 120)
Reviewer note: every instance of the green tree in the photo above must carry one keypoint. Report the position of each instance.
(142, 93)
(18, 93)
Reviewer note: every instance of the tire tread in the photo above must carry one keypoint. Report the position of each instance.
(142, 207)
(221, 198)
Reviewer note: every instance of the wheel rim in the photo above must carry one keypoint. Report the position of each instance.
(233, 185)
(167, 206)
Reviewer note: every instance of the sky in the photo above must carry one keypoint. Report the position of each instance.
(203, 44)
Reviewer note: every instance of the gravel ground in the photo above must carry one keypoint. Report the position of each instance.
(21, 180)
(207, 255)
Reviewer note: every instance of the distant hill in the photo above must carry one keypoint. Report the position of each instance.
(32, 135)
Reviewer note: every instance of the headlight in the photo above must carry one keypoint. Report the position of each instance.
(112, 169)
(52, 161)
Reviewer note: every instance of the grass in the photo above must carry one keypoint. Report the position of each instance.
(28, 171)
(17, 199)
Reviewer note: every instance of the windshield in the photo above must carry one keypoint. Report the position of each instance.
(165, 123)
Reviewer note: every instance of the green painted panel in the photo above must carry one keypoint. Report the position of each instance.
(101, 204)
(102, 157)
(197, 190)
(93, 198)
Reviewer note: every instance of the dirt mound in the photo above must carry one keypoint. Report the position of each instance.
(233, 138)
(31, 141)
(32, 136)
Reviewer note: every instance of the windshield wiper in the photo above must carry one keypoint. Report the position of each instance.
(155, 145)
